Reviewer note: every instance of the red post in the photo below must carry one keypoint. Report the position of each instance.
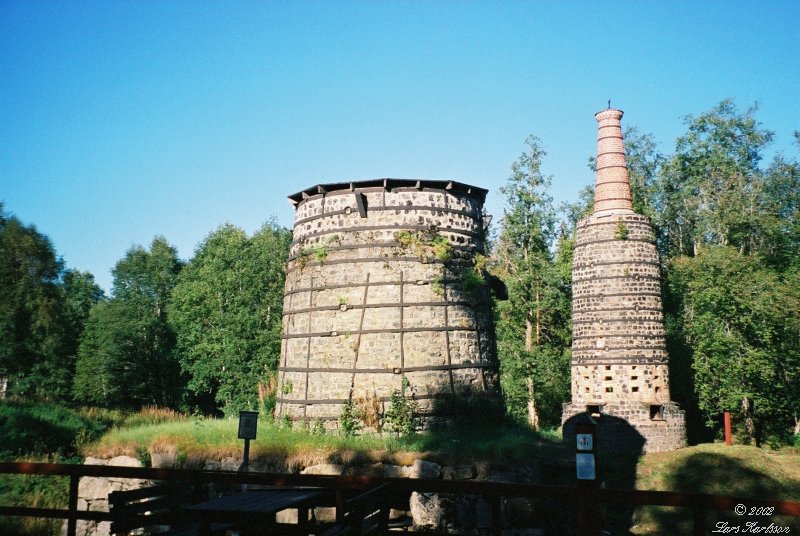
(728, 438)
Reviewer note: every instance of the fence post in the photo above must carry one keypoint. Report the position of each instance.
(497, 516)
(341, 502)
(72, 521)
(588, 510)
(699, 519)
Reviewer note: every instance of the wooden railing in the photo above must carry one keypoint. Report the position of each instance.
(586, 498)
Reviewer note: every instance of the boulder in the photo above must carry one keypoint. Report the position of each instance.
(161, 460)
(393, 471)
(459, 472)
(423, 469)
(230, 464)
(92, 488)
(324, 469)
(124, 461)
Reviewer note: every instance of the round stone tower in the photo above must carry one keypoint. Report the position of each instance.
(620, 366)
(382, 295)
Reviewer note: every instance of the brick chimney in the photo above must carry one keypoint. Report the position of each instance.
(620, 366)
(612, 193)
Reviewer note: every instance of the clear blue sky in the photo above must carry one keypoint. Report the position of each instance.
(123, 120)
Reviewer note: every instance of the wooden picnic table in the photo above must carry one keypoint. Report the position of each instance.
(256, 510)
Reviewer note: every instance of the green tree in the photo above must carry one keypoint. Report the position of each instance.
(127, 342)
(81, 293)
(713, 198)
(709, 191)
(32, 328)
(746, 351)
(531, 324)
(779, 213)
(227, 311)
(101, 343)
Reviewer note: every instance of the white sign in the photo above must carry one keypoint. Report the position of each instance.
(584, 466)
(584, 441)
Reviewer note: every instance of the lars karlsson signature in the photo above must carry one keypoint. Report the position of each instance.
(749, 527)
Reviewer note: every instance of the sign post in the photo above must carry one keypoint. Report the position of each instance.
(586, 472)
(248, 423)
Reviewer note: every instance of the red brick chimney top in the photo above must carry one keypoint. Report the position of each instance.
(612, 192)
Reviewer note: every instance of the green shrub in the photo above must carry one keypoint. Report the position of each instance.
(303, 256)
(318, 428)
(400, 417)
(437, 286)
(36, 491)
(404, 238)
(320, 253)
(472, 282)
(622, 231)
(350, 420)
(442, 248)
(427, 245)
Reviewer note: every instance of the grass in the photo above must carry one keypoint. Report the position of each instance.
(481, 433)
(195, 440)
(36, 491)
(721, 470)
(37, 432)
(738, 470)
(27, 428)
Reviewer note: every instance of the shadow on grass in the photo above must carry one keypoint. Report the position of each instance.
(477, 428)
(716, 474)
(619, 446)
(28, 428)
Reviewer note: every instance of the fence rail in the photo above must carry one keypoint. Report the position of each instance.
(587, 498)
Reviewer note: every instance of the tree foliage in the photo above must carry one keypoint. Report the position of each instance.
(209, 333)
(746, 351)
(711, 191)
(126, 358)
(533, 325)
(729, 234)
(32, 323)
(226, 310)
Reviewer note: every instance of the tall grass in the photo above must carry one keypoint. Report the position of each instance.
(27, 428)
(41, 432)
(217, 438)
(36, 491)
(197, 439)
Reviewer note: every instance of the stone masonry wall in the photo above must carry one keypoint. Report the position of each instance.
(426, 511)
(619, 350)
(93, 494)
(619, 356)
(368, 302)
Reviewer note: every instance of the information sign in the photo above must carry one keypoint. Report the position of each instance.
(585, 450)
(584, 464)
(248, 422)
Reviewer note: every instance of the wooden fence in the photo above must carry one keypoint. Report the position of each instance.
(586, 498)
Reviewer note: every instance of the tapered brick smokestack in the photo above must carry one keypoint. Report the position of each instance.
(612, 184)
(620, 366)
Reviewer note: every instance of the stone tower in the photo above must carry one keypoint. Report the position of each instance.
(382, 296)
(619, 364)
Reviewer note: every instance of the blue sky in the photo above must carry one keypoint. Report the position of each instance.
(124, 120)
